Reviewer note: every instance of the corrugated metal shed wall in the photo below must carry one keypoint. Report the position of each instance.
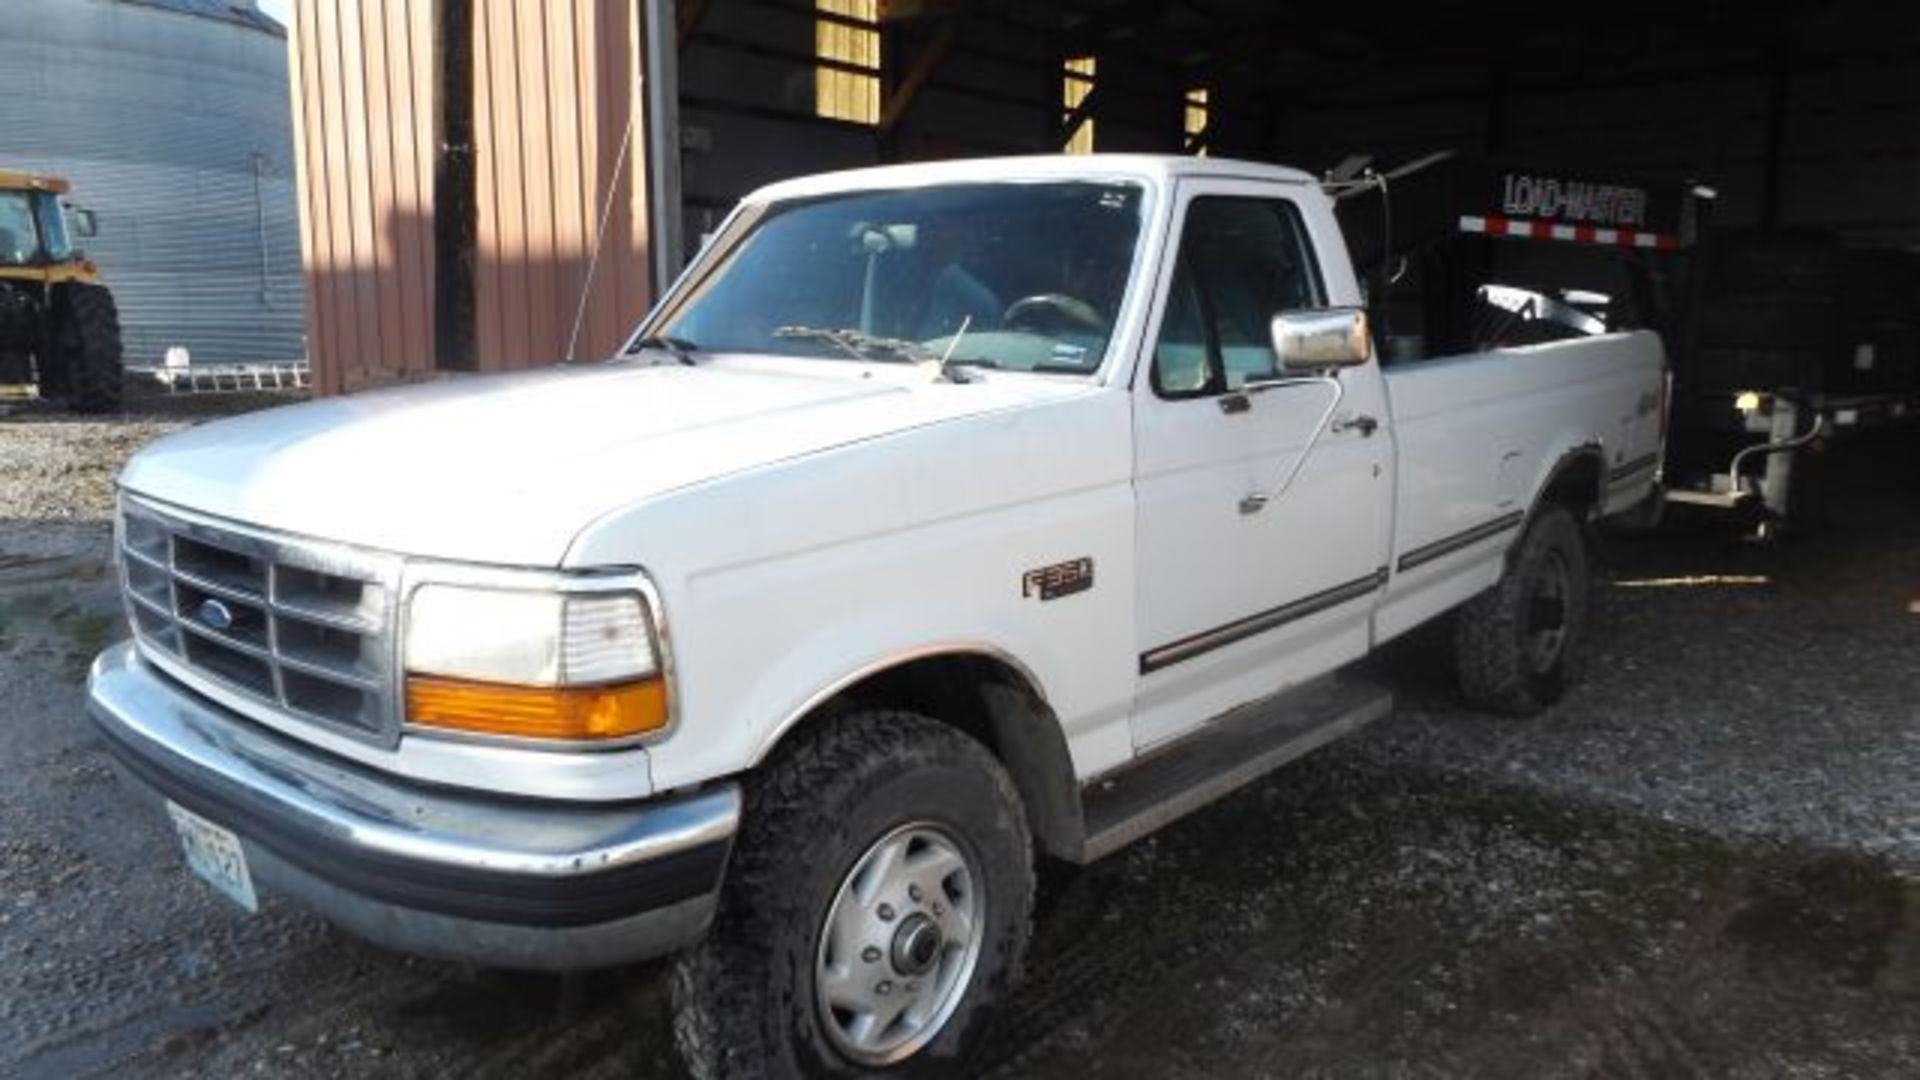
(363, 85)
(554, 84)
(175, 129)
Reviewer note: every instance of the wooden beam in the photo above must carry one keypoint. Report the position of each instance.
(1197, 141)
(456, 207)
(1140, 19)
(895, 108)
(906, 11)
(1079, 115)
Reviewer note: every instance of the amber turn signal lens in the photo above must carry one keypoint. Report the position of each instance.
(574, 713)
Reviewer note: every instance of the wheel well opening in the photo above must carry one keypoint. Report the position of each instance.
(996, 703)
(1576, 486)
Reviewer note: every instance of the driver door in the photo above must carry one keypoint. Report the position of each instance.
(1262, 525)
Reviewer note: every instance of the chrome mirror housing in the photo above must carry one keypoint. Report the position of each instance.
(1313, 341)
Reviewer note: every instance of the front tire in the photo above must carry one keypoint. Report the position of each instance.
(875, 912)
(1520, 646)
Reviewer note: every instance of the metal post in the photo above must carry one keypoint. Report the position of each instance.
(660, 86)
(1774, 484)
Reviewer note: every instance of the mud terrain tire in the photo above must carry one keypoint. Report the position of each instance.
(1519, 646)
(750, 998)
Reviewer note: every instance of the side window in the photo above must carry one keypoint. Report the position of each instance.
(1182, 358)
(1241, 262)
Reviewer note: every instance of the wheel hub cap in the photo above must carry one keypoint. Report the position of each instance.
(899, 945)
(916, 945)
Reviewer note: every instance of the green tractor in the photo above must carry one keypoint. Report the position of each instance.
(59, 327)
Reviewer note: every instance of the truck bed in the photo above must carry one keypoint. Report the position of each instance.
(1477, 434)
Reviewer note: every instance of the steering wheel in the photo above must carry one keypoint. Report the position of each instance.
(1053, 309)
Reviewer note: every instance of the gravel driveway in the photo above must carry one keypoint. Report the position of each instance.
(1752, 691)
(1706, 863)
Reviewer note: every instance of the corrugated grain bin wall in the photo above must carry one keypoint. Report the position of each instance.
(171, 119)
(555, 82)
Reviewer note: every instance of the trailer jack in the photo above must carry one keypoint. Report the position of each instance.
(1734, 489)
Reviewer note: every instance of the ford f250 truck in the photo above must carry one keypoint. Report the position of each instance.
(938, 518)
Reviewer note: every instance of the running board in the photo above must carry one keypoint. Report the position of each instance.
(1228, 753)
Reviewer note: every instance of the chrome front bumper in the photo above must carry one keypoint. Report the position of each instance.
(496, 881)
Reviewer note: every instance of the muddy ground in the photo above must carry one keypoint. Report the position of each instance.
(1707, 863)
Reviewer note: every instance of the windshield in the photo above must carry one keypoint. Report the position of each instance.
(18, 241)
(1026, 276)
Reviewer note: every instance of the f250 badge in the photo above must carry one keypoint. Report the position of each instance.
(1060, 579)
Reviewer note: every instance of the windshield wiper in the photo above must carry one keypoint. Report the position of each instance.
(679, 348)
(858, 344)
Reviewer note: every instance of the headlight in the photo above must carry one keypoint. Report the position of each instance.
(581, 666)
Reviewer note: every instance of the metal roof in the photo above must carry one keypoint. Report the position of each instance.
(12, 180)
(239, 14)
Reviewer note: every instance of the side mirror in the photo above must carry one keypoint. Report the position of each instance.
(1313, 341)
(83, 222)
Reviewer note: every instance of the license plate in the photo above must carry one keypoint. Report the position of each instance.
(215, 855)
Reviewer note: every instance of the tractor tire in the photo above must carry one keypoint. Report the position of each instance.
(86, 371)
(874, 912)
(1518, 647)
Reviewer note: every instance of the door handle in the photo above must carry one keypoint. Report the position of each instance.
(1365, 425)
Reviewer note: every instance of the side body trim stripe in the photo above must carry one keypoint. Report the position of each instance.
(1239, 630)
(1447, 545)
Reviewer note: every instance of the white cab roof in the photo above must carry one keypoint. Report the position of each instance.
(1159, 168)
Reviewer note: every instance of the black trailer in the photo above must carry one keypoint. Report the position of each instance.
(1778, 342)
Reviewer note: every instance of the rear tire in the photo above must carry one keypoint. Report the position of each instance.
(1520, 646)
(87, 371)
(882, 857)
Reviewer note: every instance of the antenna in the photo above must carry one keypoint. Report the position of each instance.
(599, 238)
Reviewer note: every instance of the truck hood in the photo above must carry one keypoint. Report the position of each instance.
(508, 469)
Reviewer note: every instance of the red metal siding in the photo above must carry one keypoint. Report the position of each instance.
(555, 82)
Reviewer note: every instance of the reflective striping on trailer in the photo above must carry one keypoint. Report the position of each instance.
(1494, 225)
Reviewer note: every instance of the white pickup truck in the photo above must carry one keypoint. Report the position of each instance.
(938, 517)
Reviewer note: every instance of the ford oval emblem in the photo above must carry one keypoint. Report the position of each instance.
(215, 615)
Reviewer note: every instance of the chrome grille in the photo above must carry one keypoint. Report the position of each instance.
(300, 628)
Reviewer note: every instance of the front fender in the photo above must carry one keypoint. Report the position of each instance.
(783, 585)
